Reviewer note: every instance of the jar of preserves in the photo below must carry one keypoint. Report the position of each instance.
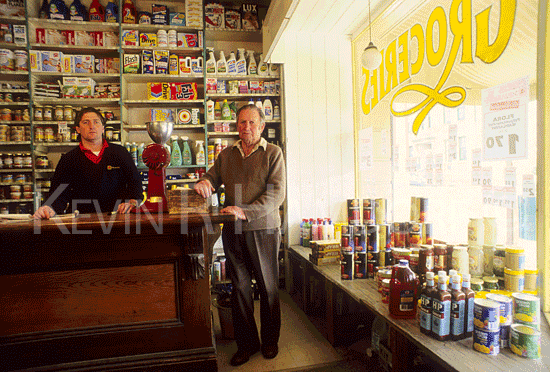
(490, 283)
(20, 178)
(48, 134)
(25, 115)
(514, 259)
(440, 257)
(8, 161)
(116, 135)
(499, 260)
(39, 134)
(48, 113)
(514, 280)
(461, 260)
(68, 113)
(58, 113)
(42, 162)
(74, 136)
(18, 161)
(531, 280)
(7, 178)
(5, 114)
(426, 259)
(17, 115)
(475, 254)
(38, 113)
(488, 258)
(476, 284)
(475, 231)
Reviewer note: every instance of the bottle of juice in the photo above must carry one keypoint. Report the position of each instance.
(129, 12)
(403, 291)
(457, 310)
(426, 298)
(307, 233)
(302, 224)
(469, 306)
(441, 310)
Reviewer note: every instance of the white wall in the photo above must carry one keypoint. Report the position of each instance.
(319, 126)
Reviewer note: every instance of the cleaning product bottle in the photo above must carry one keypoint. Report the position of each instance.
(307, 233)
(232, 64)
(469, 306)
(199, 153)
(330, 229)
(441, 309)
(129, 12)
(276, 110)
(259, 104)
(97, 12)
(226, 111)
(268, 109)
(241, 62)
(58, 10)
(403, 291)
(210, 110)
(44, 12)
(140, 149)
(211, 63)
(457, 310)
(252, 66)
(426, 299)
(262, 67)
(314, 229)
(186, 156)
(111, 12)
(175, 157)
(273, 69)
(217, 111)
(233, 108)
(221, 64)
(250, 101)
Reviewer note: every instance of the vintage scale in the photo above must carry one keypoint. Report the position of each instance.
(157, 157)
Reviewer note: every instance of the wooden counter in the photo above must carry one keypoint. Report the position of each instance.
(449, 355)
(107, 292)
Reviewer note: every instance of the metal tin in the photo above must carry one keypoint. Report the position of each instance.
(525, 341)
(486, 342)
(427, 231)
(526, 308)
(354, 212)
(360, 262)
(372, 266)
(369, 216)
(347, 265)
(346, 240)
(384, 237)
(506, 305)
(373, 232)
(401, 254)
(42, 162)
(359, 239)
(504, 336)
(386, 291)
(388, 258)
(380, 210)
(415, 234)
(414, 209)
(486, 314)
(422, 209)
(7, 178)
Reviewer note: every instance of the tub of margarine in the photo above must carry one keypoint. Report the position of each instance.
(531, 280)
(515, 259)
(514, 280)
(525, 341)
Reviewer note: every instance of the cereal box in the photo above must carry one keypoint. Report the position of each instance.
(161, 61)
(130, 63)
(184, 91)
(148, 40)
(130, 37)
(158, 91)
(147, 62)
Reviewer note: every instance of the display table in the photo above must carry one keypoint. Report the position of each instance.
(107, 292)
(405, 335)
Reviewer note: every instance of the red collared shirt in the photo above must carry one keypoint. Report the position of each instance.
(90, 155)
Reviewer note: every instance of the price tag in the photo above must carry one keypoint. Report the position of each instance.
(396, 158)
(438, 177)
(452, 151)
(529, 187)
(453, 132)
(487, 194)
(498, 196)
(461, 112)
(438, 162)
(476, 158)
(487, 176)
(510, 177)
(476, 176)
(429, 176)
(509, 197)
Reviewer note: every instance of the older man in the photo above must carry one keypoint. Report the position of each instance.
(253, 172)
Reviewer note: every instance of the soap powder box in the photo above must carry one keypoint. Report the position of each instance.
(161, 14)
(148, 40)
(35, 62)
(177, 19)
(130, 37)
(84, 63)
(158, 91)
(214, 15)
(183, 91)
(187, 40)
(162, 115)
(130, 63)
(51, 60)
(161, 61)
(147, 62)
(211, 85)
(173, 64)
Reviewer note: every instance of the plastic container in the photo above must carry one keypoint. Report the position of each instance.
(262, 67)
(221, 64)
(129, 12)
(514, 259)
(200, 155)
(210, 64)
(514, 280)
(426, 299)
(232, 64)
(241, 63)
(403, 291)
(111, 12)
(441, 310)
(175, 155)
(186, 155)
(252, 66)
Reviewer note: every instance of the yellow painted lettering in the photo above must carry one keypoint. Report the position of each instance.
(374, 84)
(490, 53)
(365, 106)
(418, 33)
(404, 56)
(462, 30)
(391, 65)
(382, 84)
(435, 56)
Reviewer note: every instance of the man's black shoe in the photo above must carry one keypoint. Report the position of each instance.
(242, 356)
(270, 351)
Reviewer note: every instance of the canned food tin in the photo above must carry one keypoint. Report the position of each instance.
(386, 291)
(526, 307)
(486, 314)
(373, 232)
(372, 267)
(5, 114)
(504, 336)
(380, 210)
(415, 234)
(347, 265)
(369, 215)
(8, 97)
(514, 259)
(383, 274)
(17, 115)
(347, 243)
(487, 342)
(384, 237)
(506, 305)
(422, 209)
(42, 162)
(401, 254)
(354, 212)
(360, 262)
(525, 341)
(427, 232)
(415, 205)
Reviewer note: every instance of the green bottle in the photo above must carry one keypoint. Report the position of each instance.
(175, 156)
(226, 111)
(233, 108)
(186, 155)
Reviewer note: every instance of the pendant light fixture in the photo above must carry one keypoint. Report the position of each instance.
(371, 57)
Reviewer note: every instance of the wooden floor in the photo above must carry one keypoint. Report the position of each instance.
(301, 347)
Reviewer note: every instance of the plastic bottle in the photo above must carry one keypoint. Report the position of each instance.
(469, 306)
(426, 298)
(314, 229)
(276, 110)
(302, 224)
(217, 111)
(241, 63)
(268, 109)
(199, 153)
(441, 310)
(403, 291)
(129, 12)
(210, 110)
(221, 64)
(186, 155)
(175, 157)
(44, 12)
(379, 333)
(221, 196)
(330, 229)
(250, 101)
(226, 111)
(97, 12)
(141, 147)
(111, 12)
(262, 67)
(232, 64)
(307, 233)
(211, 63)
(58, 10)
(325, 229)
(252, 66)
(233, 108)
(259, 104)
(457, 310)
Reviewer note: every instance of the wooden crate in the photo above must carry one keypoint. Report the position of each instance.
(184, 200)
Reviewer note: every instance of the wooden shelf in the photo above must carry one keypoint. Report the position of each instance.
(59, 24)
(144, 78)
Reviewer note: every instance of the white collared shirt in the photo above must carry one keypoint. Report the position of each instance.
(262, 143)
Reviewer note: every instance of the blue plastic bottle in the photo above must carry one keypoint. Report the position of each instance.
(78, 11)
(58, 10)
(111, 12)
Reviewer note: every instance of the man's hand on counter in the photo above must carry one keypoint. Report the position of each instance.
(127, 207)
(237, 211)
(204, 188)
(45, 212)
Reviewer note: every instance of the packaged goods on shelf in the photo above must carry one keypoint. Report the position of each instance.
(107, 65)
(13, 8)
(7, 60)
(232, 19)
(6, 33)
(161, 61)
(51, 60)
(130, 37)
(147, 62)
(177, 19)
(20, 34)
(187, 40)
(83, 38)
(222, 127)
(211, 85)
(183, 91)
(221, 87)
(130, 63)
(148, 39)
(161, 115)
(250, 21)
(160, 14)
(193, 13)
(158, 91)
(145, 18)
(214, 16)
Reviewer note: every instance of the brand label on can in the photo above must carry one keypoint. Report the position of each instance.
(486, 342)
(506, 304)
(525, 341)
(486, 314)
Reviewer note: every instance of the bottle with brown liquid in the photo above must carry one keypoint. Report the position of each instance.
(469, 306)
(441, 310)
(403, 291)
(457, 309)
(426, 299)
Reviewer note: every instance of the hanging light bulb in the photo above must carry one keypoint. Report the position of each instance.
(371, 57)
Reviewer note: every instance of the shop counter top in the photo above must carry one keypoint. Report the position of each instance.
(451, 355)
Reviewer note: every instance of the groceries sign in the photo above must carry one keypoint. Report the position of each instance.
(460, 23)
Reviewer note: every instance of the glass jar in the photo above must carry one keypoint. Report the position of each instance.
(48, 134)
(18, 161)
(531, 280)
(8, 161)
(475, 254)
(475, 231)
(488, 258)
(109, 133)
(38, 113)
(490, 283)
(42, 162)
(490, 230)
(440, 257)
(514, 259)
(48, 113)
(499, 261)
(426, 259)
(58, 113)
(39, 134)
(514, 280)
(476, 284)
(461, 260)
(68, 113)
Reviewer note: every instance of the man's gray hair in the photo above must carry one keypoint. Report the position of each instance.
(254, 108)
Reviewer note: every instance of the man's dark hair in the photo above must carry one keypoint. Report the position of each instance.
(86, 110)
(254, 108)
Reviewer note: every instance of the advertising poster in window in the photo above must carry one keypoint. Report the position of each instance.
(505, 120)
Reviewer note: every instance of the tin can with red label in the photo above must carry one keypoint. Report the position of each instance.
(354, 212)
(369, 217)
